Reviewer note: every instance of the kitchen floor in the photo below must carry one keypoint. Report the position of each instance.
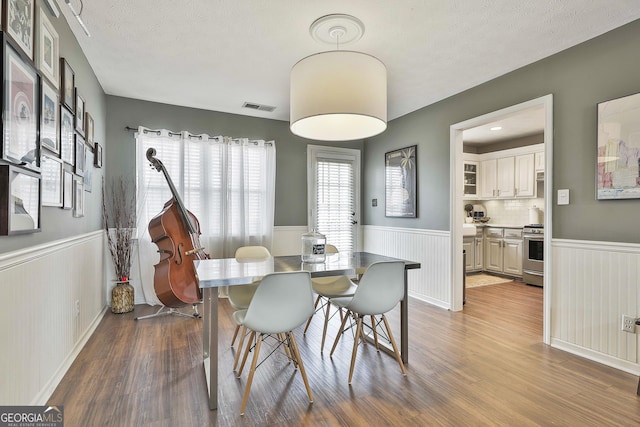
(484, 279)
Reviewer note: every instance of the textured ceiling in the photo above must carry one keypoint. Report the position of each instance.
(218, 54)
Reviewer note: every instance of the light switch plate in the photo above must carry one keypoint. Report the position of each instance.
(563, 197)
(374, 202)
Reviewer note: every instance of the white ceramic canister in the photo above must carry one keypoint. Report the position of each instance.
(534, 215)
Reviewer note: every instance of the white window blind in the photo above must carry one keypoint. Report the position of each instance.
(335, 202)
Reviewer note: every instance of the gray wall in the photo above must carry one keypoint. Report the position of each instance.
(579, 78)
(291, 157)
(56, 222)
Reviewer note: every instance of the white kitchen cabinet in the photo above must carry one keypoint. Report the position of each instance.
(471, 179)
(506, 177)
(488, 183)
(503, 250)
(497, 178)
(539, 161)
(525, 176)
(479, 253)
(512, 257)
(468, 245)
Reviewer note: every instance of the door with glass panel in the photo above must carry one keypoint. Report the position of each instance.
(333, 182)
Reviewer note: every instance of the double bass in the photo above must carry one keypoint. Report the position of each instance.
(176, 232)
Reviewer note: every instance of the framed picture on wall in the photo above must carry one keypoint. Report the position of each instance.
(618, 163)
(400, 169)
(67, 83)
(18, 23)
(21, 104)
(78, 197)
(80, 125)
(80, 156)
(88, 169)
(47, 55)
(98, 156)
(67, 190)
(88, 129)
(49, 122)
(67, 143)
(52, 177)
(19, 200)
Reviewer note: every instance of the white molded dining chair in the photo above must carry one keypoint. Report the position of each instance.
(282, 302)
(240, 295)
(327, 288)
(380, 289)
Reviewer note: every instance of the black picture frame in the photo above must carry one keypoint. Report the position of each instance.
(20, 108)
(400, 178)
(80, 109)
(97, 159)
(20, 200)
(67, 85)
(88, 126)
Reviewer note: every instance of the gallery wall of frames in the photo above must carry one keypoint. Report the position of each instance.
(48, 150)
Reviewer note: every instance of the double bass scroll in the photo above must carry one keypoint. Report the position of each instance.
(176, 232)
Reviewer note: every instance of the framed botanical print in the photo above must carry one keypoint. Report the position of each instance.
(78, 197)
(67, 143)
(21, 103)
(80, 125)
(67, 190)
(19, 200)
(400, 182)
(88, 129)
(67, 85)
(80, 156)
(49, 122)
(18, 23)
(52, 177)
(47, 56)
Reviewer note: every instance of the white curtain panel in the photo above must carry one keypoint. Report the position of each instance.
(227, 183)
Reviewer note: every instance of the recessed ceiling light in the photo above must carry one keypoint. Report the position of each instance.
(496, 128)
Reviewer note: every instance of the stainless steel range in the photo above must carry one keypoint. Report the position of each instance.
(533, 254)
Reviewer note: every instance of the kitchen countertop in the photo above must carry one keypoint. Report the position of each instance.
(486, 224)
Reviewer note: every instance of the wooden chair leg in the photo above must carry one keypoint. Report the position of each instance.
(246, 352)
(235, 335)
(324, 329)
(356, 341)
(287, 351)
(393, 344)
(239, 350)
(340, 332)
(311, 317)
(252, 371)
(294, 348)
(375, 332)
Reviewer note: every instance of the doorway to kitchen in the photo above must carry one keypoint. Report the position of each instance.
(458, 213)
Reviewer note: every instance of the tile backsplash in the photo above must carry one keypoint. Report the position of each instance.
(512, 212)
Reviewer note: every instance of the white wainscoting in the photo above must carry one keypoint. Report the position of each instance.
(53, 300)
(430, 248)
(594, 284)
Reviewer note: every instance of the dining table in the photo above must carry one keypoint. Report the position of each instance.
(215, 273)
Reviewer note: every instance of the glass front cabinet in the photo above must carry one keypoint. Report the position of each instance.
(470, 179)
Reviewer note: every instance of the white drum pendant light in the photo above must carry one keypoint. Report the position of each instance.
(338, 95)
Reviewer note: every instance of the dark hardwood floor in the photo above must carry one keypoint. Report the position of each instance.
(486, 365)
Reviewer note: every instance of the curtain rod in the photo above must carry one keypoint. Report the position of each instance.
(157, 132)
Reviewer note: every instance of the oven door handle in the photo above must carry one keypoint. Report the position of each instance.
(533, 273)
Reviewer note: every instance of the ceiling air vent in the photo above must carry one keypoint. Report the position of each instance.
(260, 107)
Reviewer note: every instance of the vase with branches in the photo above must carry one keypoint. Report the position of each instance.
(118, 214)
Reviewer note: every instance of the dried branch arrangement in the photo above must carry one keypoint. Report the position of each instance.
(118, 213)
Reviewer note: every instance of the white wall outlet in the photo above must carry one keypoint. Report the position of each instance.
(628, 324)
(563, 197)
